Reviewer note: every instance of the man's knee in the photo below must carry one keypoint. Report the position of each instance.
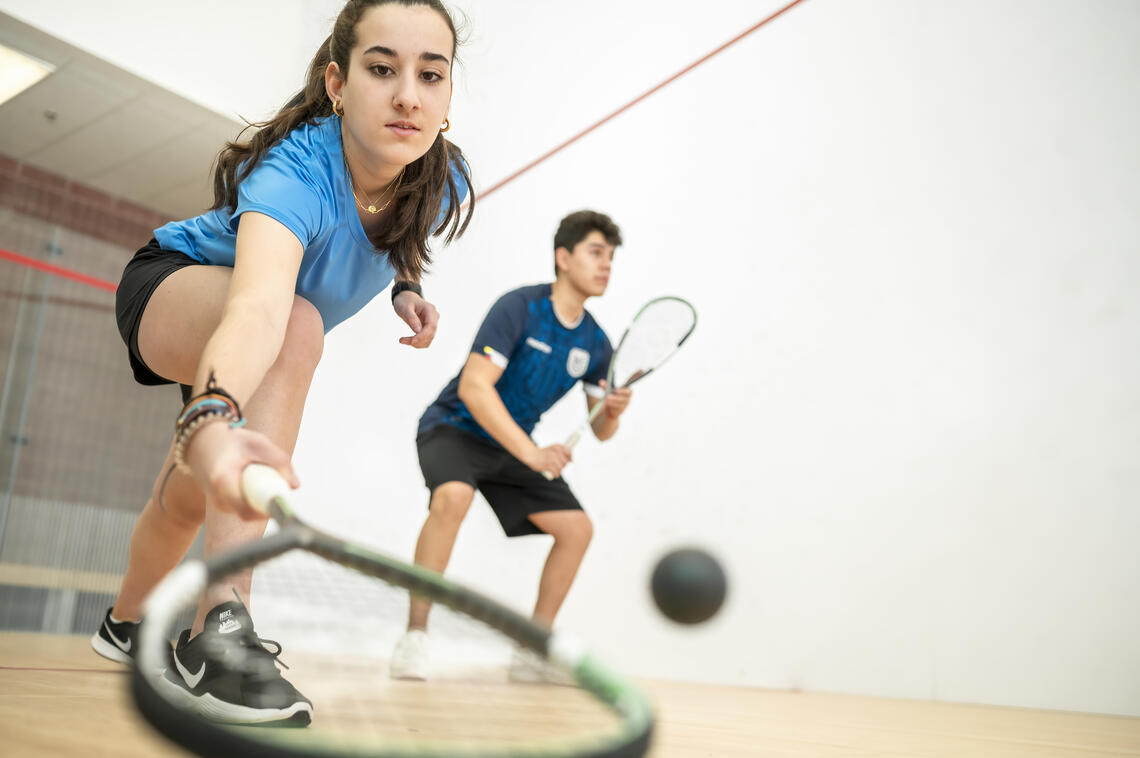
(573, 529)
(450, 502)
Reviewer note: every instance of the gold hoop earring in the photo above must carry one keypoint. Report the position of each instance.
(339, 113)
(445, 125)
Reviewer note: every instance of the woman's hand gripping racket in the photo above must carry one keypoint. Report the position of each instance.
(657, 331)
(330, 613)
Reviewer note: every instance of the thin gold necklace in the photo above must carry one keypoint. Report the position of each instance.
(371, 207)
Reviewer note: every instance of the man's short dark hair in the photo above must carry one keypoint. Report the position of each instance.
(578, 225)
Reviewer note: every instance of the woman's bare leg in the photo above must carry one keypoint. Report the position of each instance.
(179, 320)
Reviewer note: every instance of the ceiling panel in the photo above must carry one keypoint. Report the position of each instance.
(185, 200)
(134, 128)
(185, 158)
(111, 129)
(74, 94)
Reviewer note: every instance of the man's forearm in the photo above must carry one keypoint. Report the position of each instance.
(605, 425)
(489, 412)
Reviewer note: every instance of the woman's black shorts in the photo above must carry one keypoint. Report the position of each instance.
(141, 277)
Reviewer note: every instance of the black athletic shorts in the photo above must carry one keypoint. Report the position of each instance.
(141, 277)
(514, 490)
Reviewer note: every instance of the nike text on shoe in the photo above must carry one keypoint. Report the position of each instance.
(117, 640)
(410, 658)
(226, 674)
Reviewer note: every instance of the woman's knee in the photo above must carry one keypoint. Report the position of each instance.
(178, 500)
(304, 337)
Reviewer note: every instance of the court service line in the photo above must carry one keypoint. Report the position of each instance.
(636, 100)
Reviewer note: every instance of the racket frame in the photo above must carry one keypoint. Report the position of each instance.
(576, 435)
(267, 491)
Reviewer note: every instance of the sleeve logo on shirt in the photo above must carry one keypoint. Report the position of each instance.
(495, 356)
(577, 362)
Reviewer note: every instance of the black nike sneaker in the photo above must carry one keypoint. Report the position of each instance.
(117, 640)
(227, 674)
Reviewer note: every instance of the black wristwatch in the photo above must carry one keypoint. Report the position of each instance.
(401, 286)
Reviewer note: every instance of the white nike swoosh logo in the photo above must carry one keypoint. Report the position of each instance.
(124, 646)
(191, 679)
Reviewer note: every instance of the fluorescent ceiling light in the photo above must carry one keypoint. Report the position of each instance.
(18, 72)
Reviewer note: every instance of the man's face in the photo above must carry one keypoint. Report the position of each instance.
(587, 266)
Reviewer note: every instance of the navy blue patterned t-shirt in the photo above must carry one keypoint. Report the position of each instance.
(542, 359)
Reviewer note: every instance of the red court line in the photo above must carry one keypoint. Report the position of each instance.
(111, 287)
(59, 271)
(72, 302)
(636, 100)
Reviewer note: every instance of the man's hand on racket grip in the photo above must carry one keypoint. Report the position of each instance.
(550, 460)
(616, 401)
(218, 454)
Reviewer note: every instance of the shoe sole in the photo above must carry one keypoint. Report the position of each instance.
(211, 708)
(109, 651)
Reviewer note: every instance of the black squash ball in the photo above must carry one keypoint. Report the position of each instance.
(689, 585)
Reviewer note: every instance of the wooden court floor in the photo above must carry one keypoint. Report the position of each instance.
(57, 698)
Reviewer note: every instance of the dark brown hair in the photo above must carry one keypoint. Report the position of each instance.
(578, 225)
(417, 202)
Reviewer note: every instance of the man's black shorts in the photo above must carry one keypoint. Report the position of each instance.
(514, 490)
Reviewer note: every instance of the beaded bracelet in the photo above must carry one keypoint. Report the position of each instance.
(215, 404)
(187, 432)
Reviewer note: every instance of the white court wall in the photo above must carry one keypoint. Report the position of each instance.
(908, 421)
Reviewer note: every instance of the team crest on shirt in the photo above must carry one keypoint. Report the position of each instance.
(577, 362)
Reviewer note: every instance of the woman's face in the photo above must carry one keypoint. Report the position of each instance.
(398, 88)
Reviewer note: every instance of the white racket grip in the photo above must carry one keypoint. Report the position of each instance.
(576, 435)
(260, 484)
(570, 442)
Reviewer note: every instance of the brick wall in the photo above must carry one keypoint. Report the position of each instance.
(35, 192)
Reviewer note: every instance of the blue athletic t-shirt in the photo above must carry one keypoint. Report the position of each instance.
(541, 358)
(302, 183)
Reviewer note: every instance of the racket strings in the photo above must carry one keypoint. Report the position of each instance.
(247, 653)
(339, 609)
(654, 335)
(339, 628)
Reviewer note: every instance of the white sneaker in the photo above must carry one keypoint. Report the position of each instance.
(529, 667)
(410, 658)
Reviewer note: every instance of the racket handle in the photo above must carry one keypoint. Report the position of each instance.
(570, 442)
(576, 435)
(260, 484)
